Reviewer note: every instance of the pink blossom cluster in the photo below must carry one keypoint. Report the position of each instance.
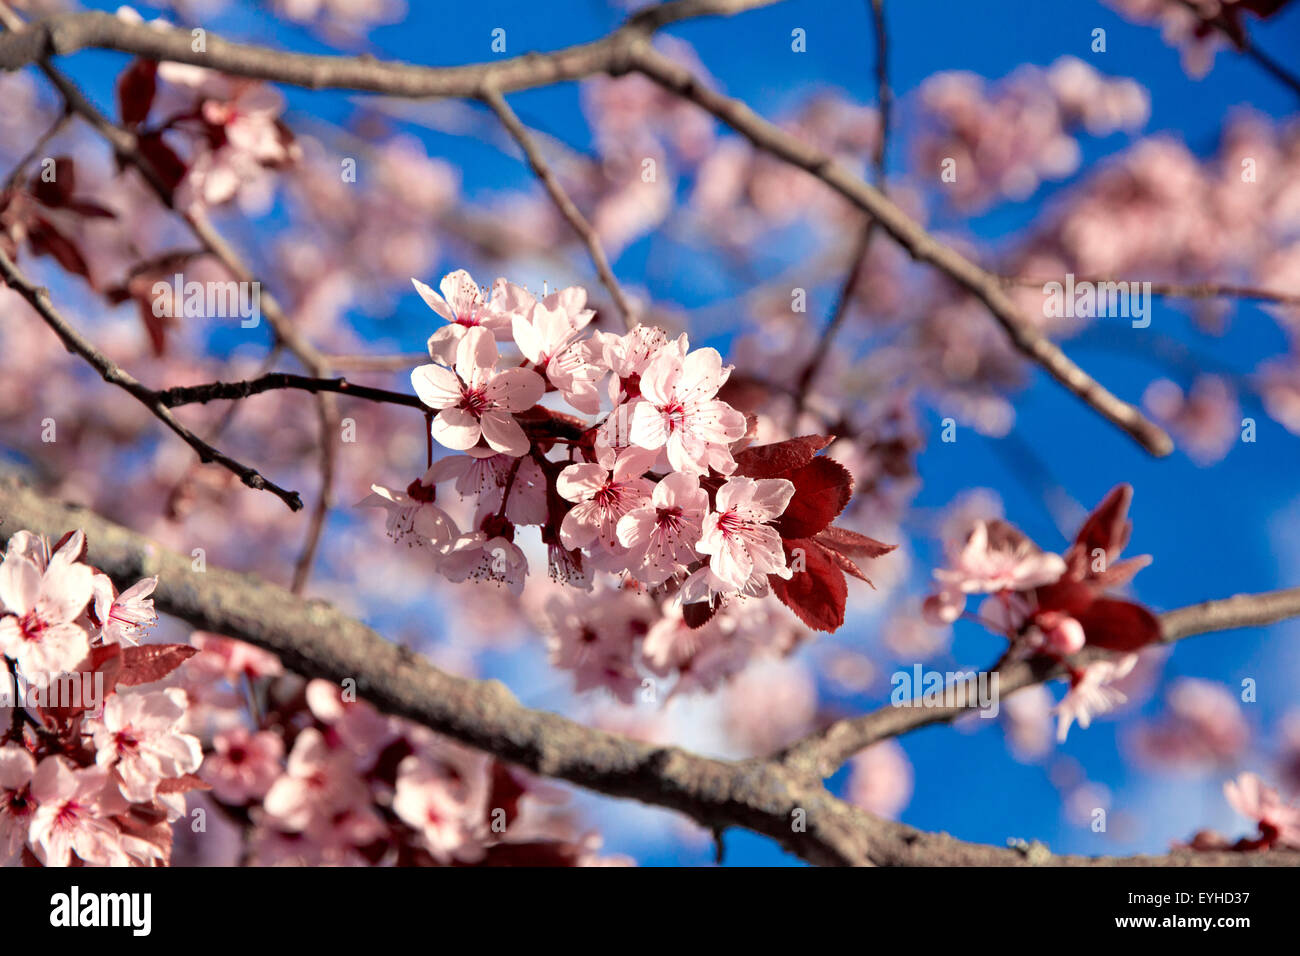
(305, 773)
(643, 487)
(1004, 141)
(1050, 605)
(90, 774)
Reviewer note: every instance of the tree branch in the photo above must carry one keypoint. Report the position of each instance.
(316, 640)
(825, 751)
(567, 209)
(627, 48)
(112, 373)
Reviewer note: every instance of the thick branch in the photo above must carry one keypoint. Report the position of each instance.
(67, 33)
(318, 641)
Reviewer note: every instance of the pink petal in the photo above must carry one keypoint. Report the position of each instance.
(436, 386)
(456, 428)
(581, 482)
(433, 300)
(503, 433)
(516, 389)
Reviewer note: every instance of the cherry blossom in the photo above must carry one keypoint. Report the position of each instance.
(601, 498)
(17, 767)
(476, 401)
(426, 800)
(1278, 822)
(1091, 693)
(742, 546)
(413, 515)
(680, 412)
(69, 817)
(243, 765)
(123, 617)
(137, 738)
(464, 305)
(40, 630)
(660, 535)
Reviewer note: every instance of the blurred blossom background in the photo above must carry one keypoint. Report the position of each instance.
(1124, 164)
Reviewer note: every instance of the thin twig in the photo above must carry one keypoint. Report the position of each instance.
(563, 203)
(112, 373)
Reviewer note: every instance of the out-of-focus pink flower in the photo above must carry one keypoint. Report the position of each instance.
(233, 659)
(1206, 420)
(243, 765)
(475, 401)
(880, 779)
(318, 783)
(427, 801)
(1278, 822)
(1091, 693)
(1203, 725)
(997, 557)
(17, 767)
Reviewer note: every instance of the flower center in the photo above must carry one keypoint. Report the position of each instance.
(669, 519)
(31, 626)
(674, 414)
(474, 400)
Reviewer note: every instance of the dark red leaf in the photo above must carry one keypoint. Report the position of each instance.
(1108, 526)
(136, 87)
(155, 326)
(91, 210)
(151, 662)
(780, 459)
(1118, 625)
(506, 793)
(853, 544)
(817, 592)
(822, 488)
(697, 614)
(45, 239)
(847, 565)
(55, 191)
(169, 167)
(1121, 572)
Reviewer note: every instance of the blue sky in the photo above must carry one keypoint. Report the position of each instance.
(1213, 531)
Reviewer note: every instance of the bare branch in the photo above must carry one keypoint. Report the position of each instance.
(112, 373)
(826, 750)
(911, 236)
(562, 202)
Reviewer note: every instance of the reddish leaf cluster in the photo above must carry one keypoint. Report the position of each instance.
(820, 554)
